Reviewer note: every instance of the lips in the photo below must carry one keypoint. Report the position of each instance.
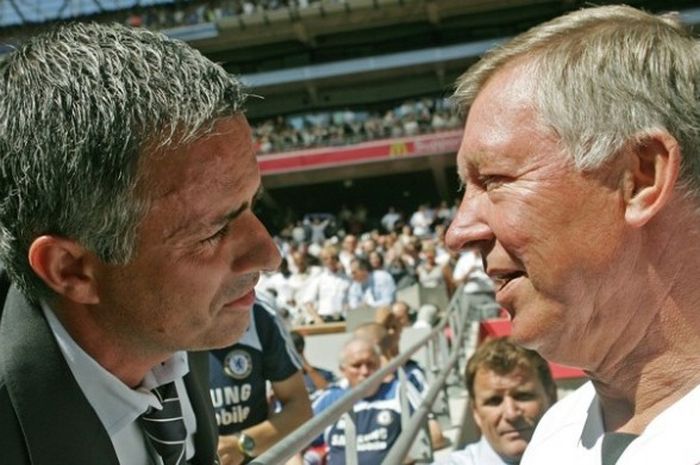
(505, 281)
(502, 279)
(516, 433)
(245, 300)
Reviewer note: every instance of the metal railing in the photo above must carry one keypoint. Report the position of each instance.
(444, 362)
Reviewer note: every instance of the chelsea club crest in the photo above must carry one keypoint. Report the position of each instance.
(238, 364)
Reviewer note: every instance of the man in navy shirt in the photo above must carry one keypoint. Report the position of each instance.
(377, 416)
(238, 377)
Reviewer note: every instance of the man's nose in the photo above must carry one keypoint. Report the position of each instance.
(469, 228)
(262, 253)
(511, 408)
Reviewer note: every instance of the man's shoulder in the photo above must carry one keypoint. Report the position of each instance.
(328, 396)
(560, 431)
(572, 409)
(469, 455)
(14, 448)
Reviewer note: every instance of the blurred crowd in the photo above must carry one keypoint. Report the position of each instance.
(332, 128)
(334, 264)
(181, 13)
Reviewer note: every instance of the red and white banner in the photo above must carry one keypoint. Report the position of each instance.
(366, 152)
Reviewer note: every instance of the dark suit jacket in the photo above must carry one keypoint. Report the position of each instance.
(44, 417)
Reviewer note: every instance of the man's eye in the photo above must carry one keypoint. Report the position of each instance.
(493, 401)
(213, 239)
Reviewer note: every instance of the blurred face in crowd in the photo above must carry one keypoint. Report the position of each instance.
(368, 246)
(358, 273)
(401, 313)
(552, 237)
(330, 261)
(507, 408)
(199, 249)
(375, 260)
(350, 243)
(360, 360)
(300, 261)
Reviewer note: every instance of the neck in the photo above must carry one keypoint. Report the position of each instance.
(654, 363)
(117, 354)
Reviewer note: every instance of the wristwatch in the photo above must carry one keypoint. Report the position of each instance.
(246, 444)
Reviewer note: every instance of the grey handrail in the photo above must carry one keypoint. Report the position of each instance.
(404, 442)
(304, 435)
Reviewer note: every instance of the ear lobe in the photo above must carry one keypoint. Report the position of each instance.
(650, 182)
(66, 267)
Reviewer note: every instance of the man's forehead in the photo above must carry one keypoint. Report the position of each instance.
(518, 375)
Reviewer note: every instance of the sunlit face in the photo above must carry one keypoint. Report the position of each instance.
(358, 273)
(199, 252)
(554, 239)
(401, 313)
(360, 361)
(507, 408)
(330, 261)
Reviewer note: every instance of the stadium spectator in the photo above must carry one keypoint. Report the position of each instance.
(402, 313)
(315, 378)
(430, 273)
(377, 416)
(421, 221)
(373, 288)
(510, 388)
(390, 218)
(117, 218)
(326, 297)
(238, 376)
(347, 252)
(478, 287)
(584, 238)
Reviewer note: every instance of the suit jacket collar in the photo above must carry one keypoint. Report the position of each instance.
(58, 423)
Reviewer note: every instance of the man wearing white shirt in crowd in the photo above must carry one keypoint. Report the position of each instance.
(374, 288)
(326, 297)
(469, 270)
(510, 388)
(348, 252)
(389, 219)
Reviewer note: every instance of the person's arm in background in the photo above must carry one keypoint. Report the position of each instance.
(296, 409)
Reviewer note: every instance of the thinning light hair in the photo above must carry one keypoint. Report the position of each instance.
(605, 77)
(352, 345)
(81, 107)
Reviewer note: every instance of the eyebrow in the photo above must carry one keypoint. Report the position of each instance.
(231, 215)
(190, 229)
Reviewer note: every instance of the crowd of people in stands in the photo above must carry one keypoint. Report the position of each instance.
(332, 128)
(190, 13)
(334, 265)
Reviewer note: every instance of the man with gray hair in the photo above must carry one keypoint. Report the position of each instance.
(581, 161)
(127, 179)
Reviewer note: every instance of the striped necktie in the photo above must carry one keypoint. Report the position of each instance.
(165, 428)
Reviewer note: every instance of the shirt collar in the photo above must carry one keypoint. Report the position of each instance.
(115, 403)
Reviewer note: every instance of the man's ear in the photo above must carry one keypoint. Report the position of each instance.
(651, 179)
(477, 418)
(66, 267)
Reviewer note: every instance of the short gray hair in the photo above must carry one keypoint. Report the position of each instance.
(81, 107)
(605, 77)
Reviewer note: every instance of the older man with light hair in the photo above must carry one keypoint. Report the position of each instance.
(581, 161)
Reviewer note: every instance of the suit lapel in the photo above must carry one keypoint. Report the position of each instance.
(197, 383)
(59, 425)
